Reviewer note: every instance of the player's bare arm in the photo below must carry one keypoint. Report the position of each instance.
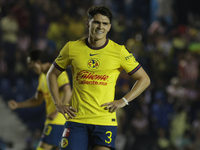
(32, 102)
(66, 89)
(142, 82)
(67, 94)
(63, 108)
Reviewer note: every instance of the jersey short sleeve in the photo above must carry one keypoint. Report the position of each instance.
(39, 88)
(63, 59)
(128, 61)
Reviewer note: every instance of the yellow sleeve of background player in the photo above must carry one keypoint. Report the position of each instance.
(63, 59)
(128, 61)
(63, 79)
(39, 88)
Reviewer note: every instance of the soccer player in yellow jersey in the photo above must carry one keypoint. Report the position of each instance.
(96, 63)
(54, 123)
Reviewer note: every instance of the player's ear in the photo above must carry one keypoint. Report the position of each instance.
(87, 23)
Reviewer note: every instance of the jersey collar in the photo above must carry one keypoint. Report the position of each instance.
(95, 48)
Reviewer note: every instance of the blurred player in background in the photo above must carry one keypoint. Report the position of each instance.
(96, 63)
(54, 123)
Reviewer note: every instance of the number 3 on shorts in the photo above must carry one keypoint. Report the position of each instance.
(48, 130)
(109, 135)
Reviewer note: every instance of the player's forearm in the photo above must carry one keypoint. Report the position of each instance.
(137, 88)
(53, 87)
(32, 102)
(66, 98)
(66, 94)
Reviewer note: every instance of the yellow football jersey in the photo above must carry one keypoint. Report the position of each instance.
(95, 71)
(50, 106)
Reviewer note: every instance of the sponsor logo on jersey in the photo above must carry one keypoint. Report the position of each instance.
(129, 56)
(64, 142)
(93, 54)
(93, 63)
(90, 75)
(85, 77)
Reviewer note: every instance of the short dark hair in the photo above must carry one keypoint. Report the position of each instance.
(103, 10)
(38, 55)
(35, 55)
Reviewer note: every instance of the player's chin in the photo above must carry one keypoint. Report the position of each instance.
(99, 37)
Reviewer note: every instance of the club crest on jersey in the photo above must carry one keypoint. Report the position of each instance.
(93, 64)
(64, 142)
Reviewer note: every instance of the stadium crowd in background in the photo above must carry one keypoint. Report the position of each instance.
(163, 36)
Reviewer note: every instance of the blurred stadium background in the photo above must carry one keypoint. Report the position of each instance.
(163, 35)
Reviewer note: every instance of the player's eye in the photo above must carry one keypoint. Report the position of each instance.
(96, 22)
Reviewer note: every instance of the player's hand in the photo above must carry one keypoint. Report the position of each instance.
(12, 104)
(113, 106)
(66, 109)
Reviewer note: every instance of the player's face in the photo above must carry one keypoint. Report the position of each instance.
(99, 26)
(34, 65)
